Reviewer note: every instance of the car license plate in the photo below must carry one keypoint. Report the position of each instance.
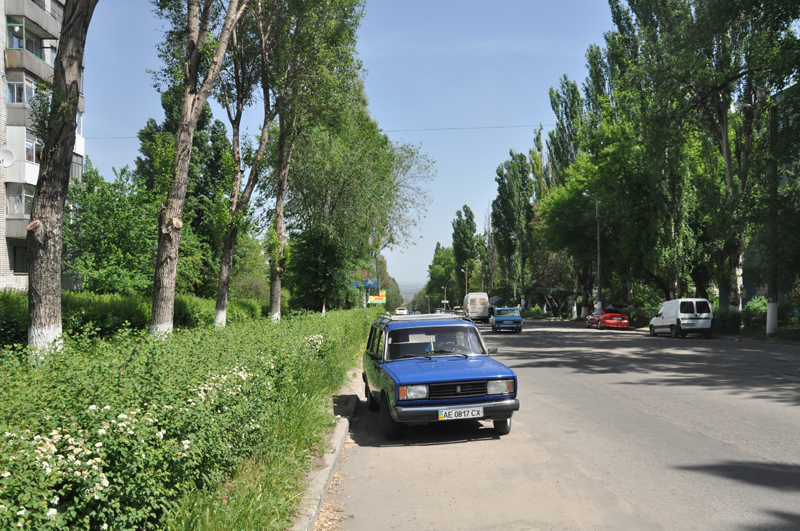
(688, 325)
(465, 413)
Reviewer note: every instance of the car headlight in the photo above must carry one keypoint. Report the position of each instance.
(412, 392)
(500, 387)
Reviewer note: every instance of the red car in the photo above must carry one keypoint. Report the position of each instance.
(607, 319)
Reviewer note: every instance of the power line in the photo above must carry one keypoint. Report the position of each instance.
(388, 130)
(468, 128)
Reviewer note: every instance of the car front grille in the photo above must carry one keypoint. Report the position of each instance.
(439, 391)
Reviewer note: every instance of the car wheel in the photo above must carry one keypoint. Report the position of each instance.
(502, 427)
(652, 331)
(587, 324)
(372, 404)
(392, 429)
(673, 331)
(599, 325)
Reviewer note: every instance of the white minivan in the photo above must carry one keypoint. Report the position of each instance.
(476, 307)
(679, 317)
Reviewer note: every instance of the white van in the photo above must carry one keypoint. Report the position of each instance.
(476, 307)
(683, 316)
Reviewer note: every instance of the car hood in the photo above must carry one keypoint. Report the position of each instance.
(450, 369)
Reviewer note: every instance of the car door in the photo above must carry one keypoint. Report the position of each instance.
(373, 358)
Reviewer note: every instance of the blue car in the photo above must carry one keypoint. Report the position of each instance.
(420, 369)
(506, 319)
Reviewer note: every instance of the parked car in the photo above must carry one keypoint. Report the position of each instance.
(400, 311)
(680, 317)
(607, 318)
(506, 319)
(435, 368)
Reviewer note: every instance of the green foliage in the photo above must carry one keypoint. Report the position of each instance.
(109, 432)
(105, 314)
(13, 317)
(727, 320)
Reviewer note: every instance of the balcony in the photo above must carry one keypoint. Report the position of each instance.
(45, 23)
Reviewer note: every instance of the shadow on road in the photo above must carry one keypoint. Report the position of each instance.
(365, 429)
(783, 522)
(780, 476)
(761, 371)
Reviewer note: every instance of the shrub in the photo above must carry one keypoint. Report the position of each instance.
(108, 313)
(754, 314)
(727, 320)
(640, 317)
(13, 317)
(106, 432)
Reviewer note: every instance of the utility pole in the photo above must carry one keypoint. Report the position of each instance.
(587, 193)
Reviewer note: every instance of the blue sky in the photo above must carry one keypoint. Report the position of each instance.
(430, 64)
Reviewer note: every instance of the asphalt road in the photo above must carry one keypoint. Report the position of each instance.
(616, 431)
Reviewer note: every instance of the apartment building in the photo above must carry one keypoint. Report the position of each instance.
(30, 43)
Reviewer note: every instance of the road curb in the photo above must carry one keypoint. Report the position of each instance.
(320, 478)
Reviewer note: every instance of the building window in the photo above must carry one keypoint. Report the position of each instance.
(79, 121)
(34, 45)
(16, 38)
(57, 12)
(33, 148)
(76, 170)
(20, 198)
(21, 86)
(20, 259)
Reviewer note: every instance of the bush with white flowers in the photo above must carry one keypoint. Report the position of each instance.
(103, 433)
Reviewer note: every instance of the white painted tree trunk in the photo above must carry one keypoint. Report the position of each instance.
(45, 339)
(584, 312)
(772, 317)
(220, 318)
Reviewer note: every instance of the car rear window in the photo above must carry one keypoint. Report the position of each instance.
(687, 307)
(703, 307)
(513, 311)
(416, 342)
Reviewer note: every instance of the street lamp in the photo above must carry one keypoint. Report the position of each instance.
(466, 282)
(587, 193)
(445, 297)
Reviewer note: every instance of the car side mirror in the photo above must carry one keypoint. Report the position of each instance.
(373, 356)
(493, 350)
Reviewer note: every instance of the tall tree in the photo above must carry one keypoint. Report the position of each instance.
(512, 213)
(253, 41)
(56, 126)
(317, 75)
(464, 240)
(200, 66)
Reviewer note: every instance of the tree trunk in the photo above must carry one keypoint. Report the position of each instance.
(225, 266)
(277, 264)
(772, 269)
(44, 236)
(170, 217)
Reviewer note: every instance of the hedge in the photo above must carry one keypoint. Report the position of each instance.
(106, 433)
(108, 313)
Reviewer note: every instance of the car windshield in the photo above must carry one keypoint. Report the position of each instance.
(507, 312)
(429, 341)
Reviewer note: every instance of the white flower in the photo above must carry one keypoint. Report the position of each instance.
(54, 501)
(122, 416)
(51, 514)
(101, 431)
(160, 434)
(92, 407)
(6, 474)
(104, 527)
(186, 444)
(3, 507)
(106, 407)
(98, 445)
(21, 512)
(19, 524)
